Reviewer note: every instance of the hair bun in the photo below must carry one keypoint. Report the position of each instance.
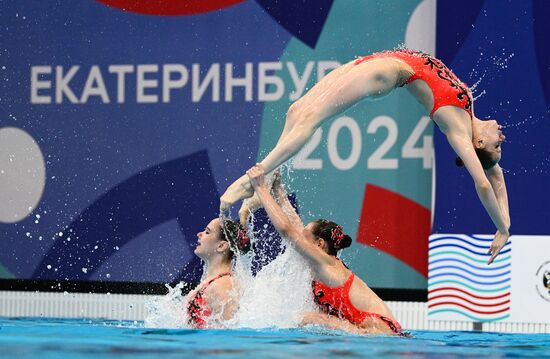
(337, 235)
(346, 242)
(243, 242)
(236, 235)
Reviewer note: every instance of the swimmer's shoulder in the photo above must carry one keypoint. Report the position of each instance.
(219, 288)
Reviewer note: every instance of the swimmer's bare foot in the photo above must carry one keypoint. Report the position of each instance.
(240, 189)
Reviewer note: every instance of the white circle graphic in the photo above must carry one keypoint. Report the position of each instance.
(420, 33)
(22, 174)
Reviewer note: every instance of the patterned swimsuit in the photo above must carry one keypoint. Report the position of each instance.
(197, 307)
(446, 88)
(336, 301)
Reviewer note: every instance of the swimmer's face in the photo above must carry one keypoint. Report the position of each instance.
(493, 138)
(209, 240)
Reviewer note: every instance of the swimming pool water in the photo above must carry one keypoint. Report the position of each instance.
(83, 338)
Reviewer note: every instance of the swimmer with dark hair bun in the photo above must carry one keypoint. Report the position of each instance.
(213, 300)
(447, 99)
(345, 301)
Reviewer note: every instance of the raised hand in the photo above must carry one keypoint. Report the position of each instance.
(256, 176)
(277, 185)
(250, 205)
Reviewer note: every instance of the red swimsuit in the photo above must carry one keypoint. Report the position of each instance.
(446, 88)
(336, 301)
(197, 307)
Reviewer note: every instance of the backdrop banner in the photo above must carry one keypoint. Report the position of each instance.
(121, 124)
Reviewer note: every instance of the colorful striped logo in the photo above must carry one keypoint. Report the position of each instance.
(461, 286)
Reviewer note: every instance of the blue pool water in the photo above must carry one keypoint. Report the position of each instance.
(79, 338)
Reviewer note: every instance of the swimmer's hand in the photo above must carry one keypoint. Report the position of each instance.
(250, 205)
(498, 243)
(256, 175)
(277, 185)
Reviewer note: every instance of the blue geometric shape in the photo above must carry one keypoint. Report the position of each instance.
(454, 24)
(541, 29)
(183, 188)
(304, 19)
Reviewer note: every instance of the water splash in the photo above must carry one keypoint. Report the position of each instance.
(167, 311)
(529, 120)
(480, 95)
(278, 296)
(498, 63)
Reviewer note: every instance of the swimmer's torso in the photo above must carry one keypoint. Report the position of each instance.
(198, 309)
(342, 285)
(337, 301)
(438, 86)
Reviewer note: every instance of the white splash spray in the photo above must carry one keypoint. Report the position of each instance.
(278, 296)
(167, 311)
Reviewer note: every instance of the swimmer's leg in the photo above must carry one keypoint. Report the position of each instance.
(252, 204)
(314, 92)
(369, 79)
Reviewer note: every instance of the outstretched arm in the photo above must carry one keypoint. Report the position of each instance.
(249, 206)
(496, 178)
(332, 322)
(282, 197)
(465, 150)
(282, 223)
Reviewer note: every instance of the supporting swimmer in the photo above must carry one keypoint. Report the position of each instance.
(345, 300)
(213, 299)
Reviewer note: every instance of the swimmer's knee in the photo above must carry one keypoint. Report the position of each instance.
(386, 80)
(293, 109)
(380, 84)
(384, 77)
